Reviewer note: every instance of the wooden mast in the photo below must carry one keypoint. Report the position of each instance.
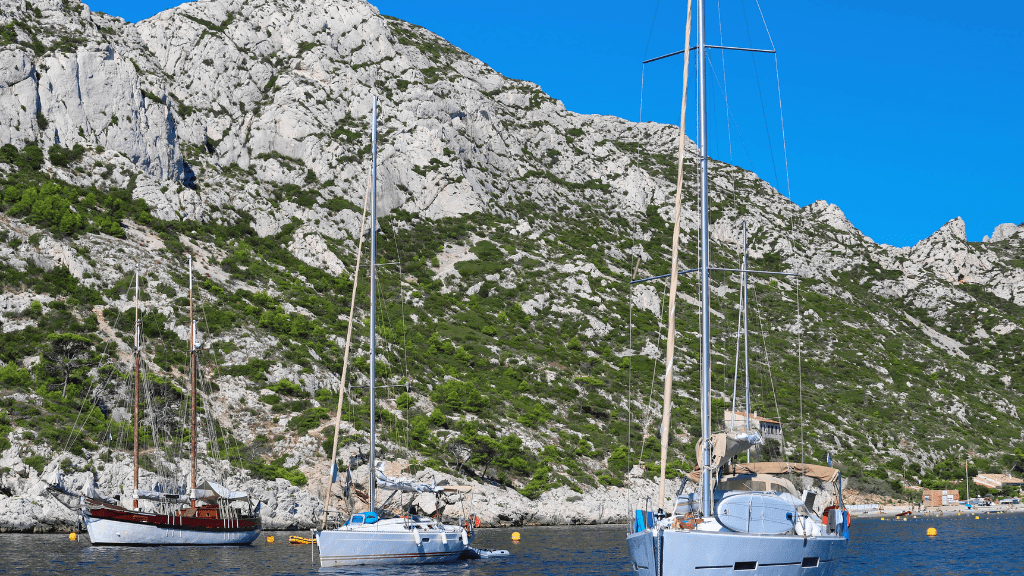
(138, 353)
(674, 280)
(344, 362)
(192, 377)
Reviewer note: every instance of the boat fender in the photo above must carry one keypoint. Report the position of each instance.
(465, 537)
(444, 536)
(416, 535)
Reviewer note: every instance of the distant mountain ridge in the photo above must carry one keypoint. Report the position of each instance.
(239, 132)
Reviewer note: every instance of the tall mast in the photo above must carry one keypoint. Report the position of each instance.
(967, 476)
(705, 323)
(192, 375)
(746, 342)
(373, 313)
(674, 282)
(138, 354)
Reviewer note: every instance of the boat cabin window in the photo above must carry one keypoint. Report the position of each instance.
(742, 485)
(364, 518)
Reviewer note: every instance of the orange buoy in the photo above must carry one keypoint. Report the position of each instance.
(932, 532)
(270, 539)
(515, 536)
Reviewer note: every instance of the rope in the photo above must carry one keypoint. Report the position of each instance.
(721, 35)
(766, 361)
(757, 78)
(344, 362)
(674, 280)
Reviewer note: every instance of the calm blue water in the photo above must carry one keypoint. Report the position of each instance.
(964, 546)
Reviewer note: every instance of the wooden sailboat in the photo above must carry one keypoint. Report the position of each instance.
(372, 537)
(736, 517)
(204, 517)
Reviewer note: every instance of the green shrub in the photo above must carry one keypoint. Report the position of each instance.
(285, 386)
(61, 156)
(36, 462)
(308, 419)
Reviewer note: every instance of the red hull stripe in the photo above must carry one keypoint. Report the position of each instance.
(244, 523)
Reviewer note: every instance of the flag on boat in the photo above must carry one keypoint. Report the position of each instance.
(334, 471)
(828, 457)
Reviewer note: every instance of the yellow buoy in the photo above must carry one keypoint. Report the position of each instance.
(270, 539)
(515, 536)
(977, 517)
(72, 536)
(932, 532)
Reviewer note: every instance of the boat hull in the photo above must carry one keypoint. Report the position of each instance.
(149, 530)
(677, 552)
(350, 548)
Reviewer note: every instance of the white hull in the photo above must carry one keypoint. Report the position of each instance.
(388, 545)
(672, 552)
(104, 532)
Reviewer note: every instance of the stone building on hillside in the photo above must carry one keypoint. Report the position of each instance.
(997, 481)
(769, 429)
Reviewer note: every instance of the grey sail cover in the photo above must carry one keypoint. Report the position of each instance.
(386, 483)
(212, 491)
(726, 445)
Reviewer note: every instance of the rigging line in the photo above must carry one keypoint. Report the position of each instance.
(757, 78)
(728, 111)
(736, 368)
(651, 33)
(232, 442)
(92, 390)
(766, 360)
(633, 264)
(405, 331)
(721, 35)
(765, 22)
(654, 376)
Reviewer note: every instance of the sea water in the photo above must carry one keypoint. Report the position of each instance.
(963, 546)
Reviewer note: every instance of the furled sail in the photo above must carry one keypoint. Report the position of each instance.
(386, 483)
(211, 491)
(725, 445)
(823, 473)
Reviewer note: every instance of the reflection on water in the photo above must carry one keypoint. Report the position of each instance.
(964, 546)
(542, 551)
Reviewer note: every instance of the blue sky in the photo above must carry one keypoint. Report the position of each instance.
(905, 114)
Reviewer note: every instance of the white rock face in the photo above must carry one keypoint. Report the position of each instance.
(1002, 232)
(95, 97)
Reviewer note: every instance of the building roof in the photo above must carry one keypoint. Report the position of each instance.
(754, 417)
(996, 480)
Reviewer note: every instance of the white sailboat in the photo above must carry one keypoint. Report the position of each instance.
(370, 537)
(729, 517)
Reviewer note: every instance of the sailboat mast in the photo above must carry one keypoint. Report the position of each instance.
(373, 312)
(192, 375)
(746, 341)
(705, 322)
(138, 353)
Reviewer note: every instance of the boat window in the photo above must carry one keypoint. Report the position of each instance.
(811, 562)
(739, 484)
(745, 566)
(424, 539)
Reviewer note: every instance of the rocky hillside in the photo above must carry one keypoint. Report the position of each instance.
(516, 353)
